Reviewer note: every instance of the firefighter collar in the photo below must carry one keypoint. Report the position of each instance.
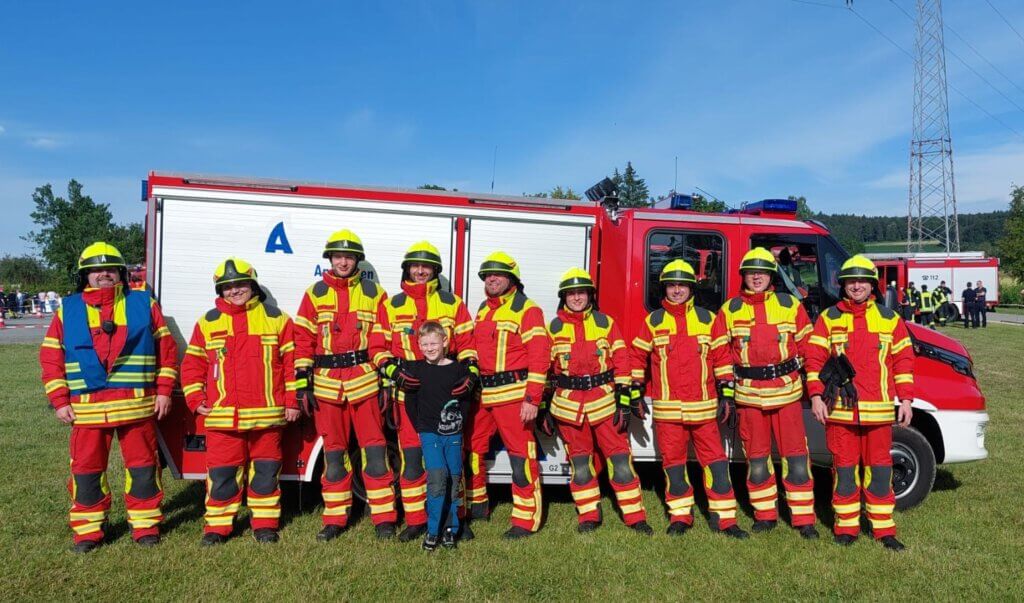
(341, 283)
(504, 298)
(95, 296)
(756, 298)
(568, 315)
(420, 290)
(845, 305)
(677, 309)
(229, 308)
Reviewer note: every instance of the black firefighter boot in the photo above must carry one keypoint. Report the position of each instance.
(412, 532)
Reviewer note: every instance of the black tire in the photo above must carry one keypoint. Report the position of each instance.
(954, 313)
(913, 467)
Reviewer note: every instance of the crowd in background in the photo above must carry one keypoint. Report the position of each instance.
(14, 304)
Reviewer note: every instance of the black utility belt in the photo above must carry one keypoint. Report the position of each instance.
(503, 378)
(584, 381)
(772, 371)
(344, 360)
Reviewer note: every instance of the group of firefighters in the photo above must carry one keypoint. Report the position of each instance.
(110, 364)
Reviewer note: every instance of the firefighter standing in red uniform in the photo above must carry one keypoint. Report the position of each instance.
(239, 373)
(339, 345)
(766, 332)
(676, 341)
(858, 429)
(515, 354)
(591, 402)
(108, 367)
(421, 300)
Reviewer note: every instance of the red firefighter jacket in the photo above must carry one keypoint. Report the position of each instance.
(112, 406)
(762, 329)
(240, 362)
(876, 341)
(339, 315)
(677, 341)
(509, 335)
(586, 343)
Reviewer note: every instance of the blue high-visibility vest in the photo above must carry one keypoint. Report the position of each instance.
(135, 366)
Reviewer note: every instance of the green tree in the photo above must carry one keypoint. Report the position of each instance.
(25, 272)
(1011, 246)
(632, 188)
(68, 225)
(803, 211)
(703, 204)
(568, 193)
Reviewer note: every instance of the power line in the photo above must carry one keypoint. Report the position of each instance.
(1005, 20)
(994, 68)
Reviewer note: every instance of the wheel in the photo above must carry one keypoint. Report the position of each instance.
(913, 467)
(954, 313)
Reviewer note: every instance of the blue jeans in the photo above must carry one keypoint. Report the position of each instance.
(442, 457)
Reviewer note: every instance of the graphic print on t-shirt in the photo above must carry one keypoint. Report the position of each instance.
(451, 419)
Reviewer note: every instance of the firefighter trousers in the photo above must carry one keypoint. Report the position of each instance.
(614, 446)
(335, 422)
(857, 448)
(413, 478)
(673, 445)
(786, 425)
(522, 450)
(238, 461)
(90, 492)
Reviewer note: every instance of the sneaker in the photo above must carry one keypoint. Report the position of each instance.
(85, 546)
(330, 532)
(411, 533)
(148, 540)
(845, 539)
(385, 531)
(763, 525)
(466, 532)
(734, 531)
(808, 532)
(892, 544)
(212, 539)
(585, 527)
(448, 539)
(266, 536)
(677, 528)
(517, 533)
(641, 527)
(430, 543)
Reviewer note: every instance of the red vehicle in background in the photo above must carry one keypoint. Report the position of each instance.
(958, 270)
(193, 222)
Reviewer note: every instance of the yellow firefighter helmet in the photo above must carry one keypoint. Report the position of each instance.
(858, 267)
(233, 270)
(101, 255)
(345, 241)
(422, 253)
(575, 278)
(759, 258)
(499, 262)
(678, 271)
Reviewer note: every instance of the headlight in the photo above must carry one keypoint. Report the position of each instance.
(960, 364)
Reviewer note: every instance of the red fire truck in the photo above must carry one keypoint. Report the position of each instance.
(958, 270)
(193, 222)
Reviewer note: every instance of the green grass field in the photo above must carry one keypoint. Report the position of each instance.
(965, 541)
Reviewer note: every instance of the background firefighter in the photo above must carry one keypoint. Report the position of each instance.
(859, 432)
(239, 374)
(766, 333)
(676, 342)
(108, 367)
(421, 300)
(591, 402)
(340, 342)
(515, 353)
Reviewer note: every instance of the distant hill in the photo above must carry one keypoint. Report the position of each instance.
(878, 234)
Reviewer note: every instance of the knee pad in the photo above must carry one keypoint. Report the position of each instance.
(760, 470)
(223, 482)
(718, 474)
(412, 463)
(796, 469)
(375, 462)
(437, 482)
(336, 465)
(582, 470)
(264, 476)
(621, 469)
(520, 473)
(456, 489)
(89, 488)
(678, 482)
(878, 480)
(846, 480)
(142, 482)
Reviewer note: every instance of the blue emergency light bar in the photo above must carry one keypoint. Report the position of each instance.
(680, 201)
(775, 206)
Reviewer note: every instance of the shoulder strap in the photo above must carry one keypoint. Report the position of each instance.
(212, 315)
(657, 317)
(556, 325)
(399, 300)
(601, 319)
(518, 302)
(320, 288)
(446, 297)
(735, 304)
(704, 316)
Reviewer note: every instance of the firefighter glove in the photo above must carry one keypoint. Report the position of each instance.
(304, 394)
(404, 381)
(546, 421)
(727, 404)
(637, 403)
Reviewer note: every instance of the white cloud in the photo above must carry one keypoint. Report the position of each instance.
(45, 143)
(2, 130)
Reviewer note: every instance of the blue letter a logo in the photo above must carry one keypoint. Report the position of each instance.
(278, 241)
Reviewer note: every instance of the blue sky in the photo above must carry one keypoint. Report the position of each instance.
(757, 99)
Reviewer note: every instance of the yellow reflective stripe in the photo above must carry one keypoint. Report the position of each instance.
(55, 384)
(336, 496)
(52, 342)
(900, 345)
(531, 333)
(195, 350)
(288, 347)
(903, 378)
(584, 494)
(167, 372)
(847, 508)
(192, 388)
(642, 344)
(881, 509)
(819, 341)
(305, 324)
(161, 332)
(799, 495)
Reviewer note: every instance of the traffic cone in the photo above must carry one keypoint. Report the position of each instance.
(3, 322)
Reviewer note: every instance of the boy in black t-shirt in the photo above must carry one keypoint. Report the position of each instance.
(437, 409)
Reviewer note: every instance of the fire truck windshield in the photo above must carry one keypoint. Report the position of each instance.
(808, 267)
